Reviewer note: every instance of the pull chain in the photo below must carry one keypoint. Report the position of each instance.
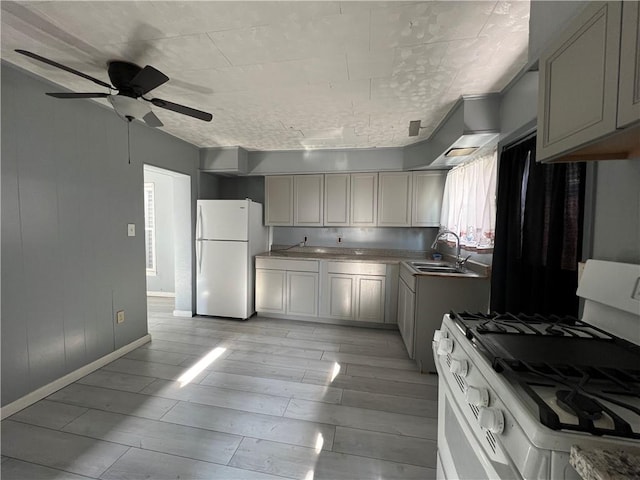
(129, 139)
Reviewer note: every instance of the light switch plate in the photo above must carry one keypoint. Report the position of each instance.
(120, 316)
(131, 229)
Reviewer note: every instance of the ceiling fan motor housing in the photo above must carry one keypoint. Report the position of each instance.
(121, 73)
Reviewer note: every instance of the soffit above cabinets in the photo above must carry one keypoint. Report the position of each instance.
(284, 75)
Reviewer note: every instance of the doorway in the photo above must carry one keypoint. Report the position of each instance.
(168, 242)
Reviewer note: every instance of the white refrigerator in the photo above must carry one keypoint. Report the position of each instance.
(229, 233)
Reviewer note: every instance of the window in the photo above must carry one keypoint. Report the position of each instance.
(469, 202)
(150, 228)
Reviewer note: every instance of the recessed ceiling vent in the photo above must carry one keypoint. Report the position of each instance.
(414, 128)
(472, 125)
(460, 152)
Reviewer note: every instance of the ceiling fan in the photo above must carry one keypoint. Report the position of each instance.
(132, 83)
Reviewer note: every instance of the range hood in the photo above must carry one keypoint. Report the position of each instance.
(229, 161)
(472, 126)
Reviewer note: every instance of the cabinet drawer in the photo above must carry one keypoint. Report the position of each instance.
(357, 268)
(285, 264)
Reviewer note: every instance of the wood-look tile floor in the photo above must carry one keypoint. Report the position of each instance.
(279, 399)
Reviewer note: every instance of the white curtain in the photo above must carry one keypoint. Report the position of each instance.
(469, 202)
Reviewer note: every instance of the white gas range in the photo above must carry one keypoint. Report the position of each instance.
(516, 391)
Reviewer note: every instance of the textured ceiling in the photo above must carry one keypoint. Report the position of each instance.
(284, 75)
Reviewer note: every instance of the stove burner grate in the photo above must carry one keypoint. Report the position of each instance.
(584, 396)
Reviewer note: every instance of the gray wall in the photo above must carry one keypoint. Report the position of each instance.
(616, 225)
(68, 193)
(164, 278)
(355, 237)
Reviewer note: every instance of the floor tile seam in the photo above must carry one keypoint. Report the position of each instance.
(53, 468)
(392, 411)
(127, 357)
(78, 382)
(390, 380)
(352, 426)
(116, 461)
(240, 362)
(115, 371)
(408, 437)
(286, 357)
(410, 368)
(149, 419)
(269, 394)
(394, 357)
(339, 453)
(75, 435)
(248, 340)
(385, 460)
(416, 396)
(311, 422)
(369, 411)
(114, 411)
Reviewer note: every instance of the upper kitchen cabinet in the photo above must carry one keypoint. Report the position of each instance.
(364, 199)
(337, 188)
(308, 202)
(428, 188)
(629, 96)
(278, 200)
(394, 199)
(582, 75)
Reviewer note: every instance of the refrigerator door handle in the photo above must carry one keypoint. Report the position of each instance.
(199, 255)
(199, 223)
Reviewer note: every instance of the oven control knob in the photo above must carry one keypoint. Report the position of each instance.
(477, 396)
(491, 419)
(438, 334)
(445, 346)
(459, 367)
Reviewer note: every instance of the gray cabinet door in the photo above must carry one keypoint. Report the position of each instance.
(394, 199)
(578, 82)
(428, 188)
(308, 192)
(337, 188)
(302, 294)
(278, 200)
(364, 199)
(629, 95)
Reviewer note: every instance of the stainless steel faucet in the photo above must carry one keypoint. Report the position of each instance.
(459, 260)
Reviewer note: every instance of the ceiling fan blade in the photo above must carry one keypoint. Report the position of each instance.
(147, 79)
(63, 67)
(192, 112)
(151, 120)
(78, 95)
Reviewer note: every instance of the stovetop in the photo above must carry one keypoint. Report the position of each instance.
(578, 376)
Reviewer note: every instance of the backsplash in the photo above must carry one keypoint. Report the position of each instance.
(357, 237)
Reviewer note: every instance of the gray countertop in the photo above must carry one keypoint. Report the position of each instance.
(371, 255)
(598, 464)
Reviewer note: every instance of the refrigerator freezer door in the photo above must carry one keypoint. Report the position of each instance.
(223, 220)
(222, 286)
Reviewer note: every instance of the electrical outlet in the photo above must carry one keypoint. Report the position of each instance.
(131, 229)
(120, 316)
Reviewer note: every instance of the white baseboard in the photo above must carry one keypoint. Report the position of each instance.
(161, 294)
(45, 391)
(183, 313)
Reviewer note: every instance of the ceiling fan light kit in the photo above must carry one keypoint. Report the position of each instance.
(131, 83)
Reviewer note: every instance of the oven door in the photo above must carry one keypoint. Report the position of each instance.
(460, 454)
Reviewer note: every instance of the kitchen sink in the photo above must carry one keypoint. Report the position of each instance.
(439, 269)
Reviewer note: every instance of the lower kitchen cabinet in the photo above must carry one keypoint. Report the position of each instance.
(302, 294)
(354, 291)
(287, 287)
(270, 291)
(407, 308)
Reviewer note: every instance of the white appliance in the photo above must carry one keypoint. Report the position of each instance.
(516, 392)
(229, 233)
